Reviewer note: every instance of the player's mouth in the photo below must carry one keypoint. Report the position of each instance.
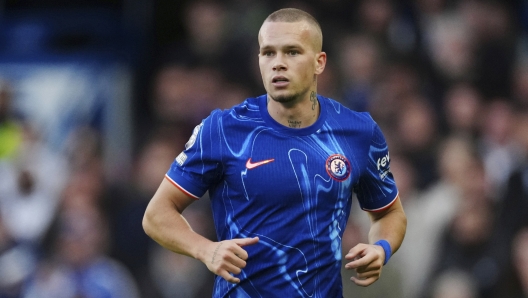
(279, 81)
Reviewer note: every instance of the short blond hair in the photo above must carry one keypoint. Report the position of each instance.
(292, 15)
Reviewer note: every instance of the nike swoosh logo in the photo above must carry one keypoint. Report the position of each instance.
(251, 165)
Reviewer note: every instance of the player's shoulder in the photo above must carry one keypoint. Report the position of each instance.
(246, 110)
(338, 110)
(250, 107)
(242, 114)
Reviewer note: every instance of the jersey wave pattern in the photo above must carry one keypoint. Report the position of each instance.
(298, 202)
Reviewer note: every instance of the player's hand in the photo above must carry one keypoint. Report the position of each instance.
(228, 257)
(367, 260)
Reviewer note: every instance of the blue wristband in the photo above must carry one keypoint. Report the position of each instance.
(386, 247)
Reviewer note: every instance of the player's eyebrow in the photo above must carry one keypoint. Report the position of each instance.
(266, 47)
(283, 47)
(292, 47)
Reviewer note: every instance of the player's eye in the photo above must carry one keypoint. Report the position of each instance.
(293, 52)
(267, 53)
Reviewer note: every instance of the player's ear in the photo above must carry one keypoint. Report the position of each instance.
(320, 62)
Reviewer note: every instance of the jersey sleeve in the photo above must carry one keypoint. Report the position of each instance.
(198, 167)
(376, 189)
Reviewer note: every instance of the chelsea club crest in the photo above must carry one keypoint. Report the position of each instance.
(338, 167)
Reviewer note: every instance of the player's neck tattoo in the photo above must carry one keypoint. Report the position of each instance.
(294, 123)
(313, 99)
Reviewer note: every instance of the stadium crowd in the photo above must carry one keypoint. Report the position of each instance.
(447, 81)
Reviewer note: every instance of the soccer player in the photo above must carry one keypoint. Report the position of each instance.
(280, 170)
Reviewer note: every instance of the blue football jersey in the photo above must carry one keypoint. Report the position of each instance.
(290, 187)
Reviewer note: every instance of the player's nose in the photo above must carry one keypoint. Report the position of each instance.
(279, 64)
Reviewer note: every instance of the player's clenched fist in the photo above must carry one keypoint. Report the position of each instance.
(228, 257)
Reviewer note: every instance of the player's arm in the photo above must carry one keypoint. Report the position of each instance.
(163, 221)
(368, 259)
(389, 224)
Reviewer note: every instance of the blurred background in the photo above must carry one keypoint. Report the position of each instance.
(97, 97)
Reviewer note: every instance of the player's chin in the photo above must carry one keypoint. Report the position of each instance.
(283, 97)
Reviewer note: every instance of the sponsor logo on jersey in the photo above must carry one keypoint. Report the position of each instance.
(181, 158)
(192, 139)
(338, 167)
(251, 165)
(383, 165)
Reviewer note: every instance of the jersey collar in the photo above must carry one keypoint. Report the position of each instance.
(262, 100)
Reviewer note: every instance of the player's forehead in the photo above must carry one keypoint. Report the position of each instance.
(278, 33)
